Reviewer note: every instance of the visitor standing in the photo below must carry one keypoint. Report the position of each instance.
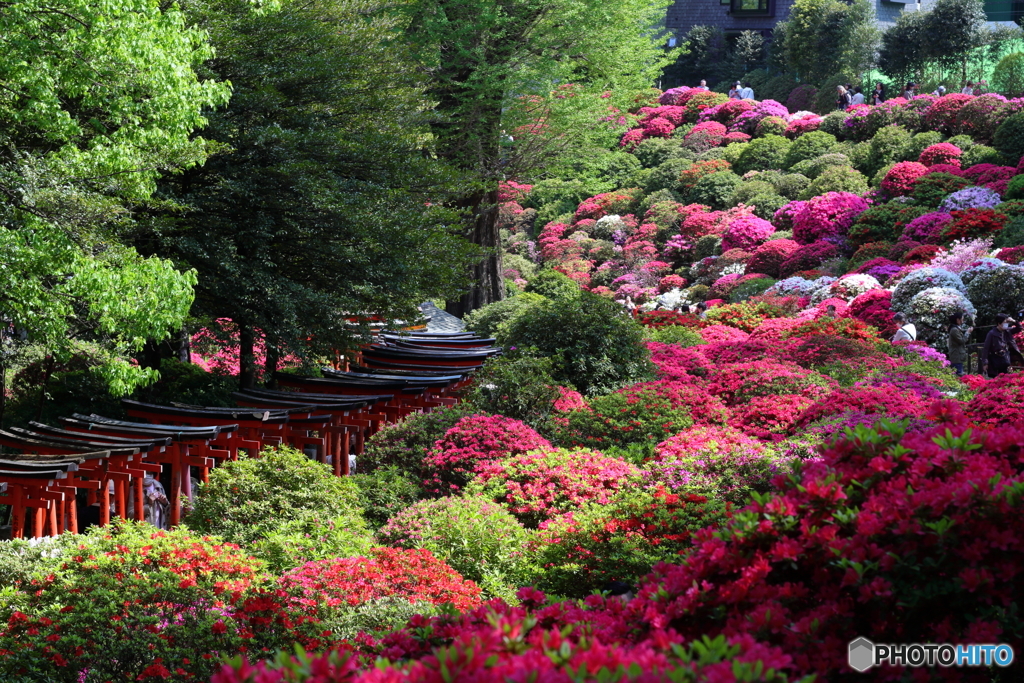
(907, 331)
(703, 85)
(956, 344)
(999, 343)
(940, 91)
(968, 89)
(843, 100)
(908, 93)
(878, 94)
(702, 309)
(747, 93)
(858, 96)
(734, 91)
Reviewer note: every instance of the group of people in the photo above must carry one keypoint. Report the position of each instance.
(996, 355)
(850, 95)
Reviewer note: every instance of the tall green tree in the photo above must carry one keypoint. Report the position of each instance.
(97, 97)
(825, 38)
(321, 204)
(904, 49)
(518, 83)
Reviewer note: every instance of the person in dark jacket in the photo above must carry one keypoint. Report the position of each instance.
(843, 98)
(878, 95)
(956, 344)
(999, 343)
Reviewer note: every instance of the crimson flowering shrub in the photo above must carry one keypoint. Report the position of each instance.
(981, 174)
(722, 333)
(869, 400)
(941, 115)
(604, 204)
(927, 517)
(816, 350)
(807, 257)
(414, 575)
(555, 642)
(902, 177)
(841, 327)
(768, 257)
(675, 362)
(544, 484)
(769, 417)
(727, 353)
(905, 382)
(737, 384)
(713, 128)
(921, 254)
(658, 319)
(474, 441)
(129, 602)
(827, 215)
(999, 402)
(941, 153)
(569, 400)
(973, 223)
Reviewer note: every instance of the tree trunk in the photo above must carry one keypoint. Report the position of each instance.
(270, 365)
(246, 357)
(489, 284)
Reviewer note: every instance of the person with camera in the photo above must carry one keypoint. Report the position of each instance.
(999, 344)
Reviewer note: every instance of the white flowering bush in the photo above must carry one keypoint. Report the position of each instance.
(997, 290)
(793, 286)
(930, 310)
(980, 266)
(920, 280)
(606, 226)
(849, 287)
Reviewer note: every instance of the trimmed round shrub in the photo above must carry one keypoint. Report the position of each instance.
(883, 222)
(1008, 75)
(931, 189)
(927, 228)
(594, 345)
(261, 501)
(746, 232)
(887, 148)
(763, 153)
(768, 257)
(828, 215)
(836, 179)
(941, 153)
(653, 152)
(815, 167)
(405, 444)
(996, 290)
(1015, 188)
(475, 536)
(900, 179)
(551, 284)
(808, 257)
(765, 205)
(771, 125)
(666, 175)
(714, 190)
(485, 321)
(920, 280)
(1008, 140)
(809, 146)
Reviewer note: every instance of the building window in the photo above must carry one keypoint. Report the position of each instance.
(751, 7)
(1004, 10)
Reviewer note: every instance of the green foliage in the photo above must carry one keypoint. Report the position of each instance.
(750, 288)
(666, 175)
(1009, 137)
(476, 537)
(828, 37)
(675, 334)
(618, 420)
(983, 154)
(791, 185)
(100, 97)
(904, 49)
(887, 148)
(487, 320)
(815, 167)
(765, 205)
(619, 541)
(385, 492)
(919, 143)
(714, 189)
(764, 153)
(556, 196)
(653, 152)
(406, 443)
(592, 342)
(834, 124)
(1012, 235)
(1008, 75)
(552, 284)
(809, 146)
(825, 99)
(836, 179)
(520, 387)
(272, 502)
(750, 188)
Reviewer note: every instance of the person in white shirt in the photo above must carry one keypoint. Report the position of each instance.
(858, 95)
(968, 89)
(747, 93)
(734, 92)
(940, 91)
(907, 331)
(703, 85)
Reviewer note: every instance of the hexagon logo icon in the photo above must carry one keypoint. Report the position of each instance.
(862, 655)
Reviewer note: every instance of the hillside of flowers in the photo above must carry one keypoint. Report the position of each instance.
(634, 494)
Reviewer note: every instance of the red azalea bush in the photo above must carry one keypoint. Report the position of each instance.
(413, 575)
(841, 327)
(900, 179)
(474, 441)
(998, 402)
(569, 400)
(713, 128)
(941, 153)
(531, 642)
(1012, 255)
(768, 257)
(867, 400)
(769, 417)
(807, 257)
(817, 350)
(923, 253)
(736, 384)
(727, 353)
(604, 204)
(723, 333)
(744, 316)
(544, 484)
(971, 223)
(941, 115)
(675, 362)
(927, 517)
(658, 319)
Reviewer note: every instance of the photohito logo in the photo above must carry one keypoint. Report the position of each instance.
(863, 654)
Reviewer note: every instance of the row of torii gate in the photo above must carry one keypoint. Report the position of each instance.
(101, 467)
